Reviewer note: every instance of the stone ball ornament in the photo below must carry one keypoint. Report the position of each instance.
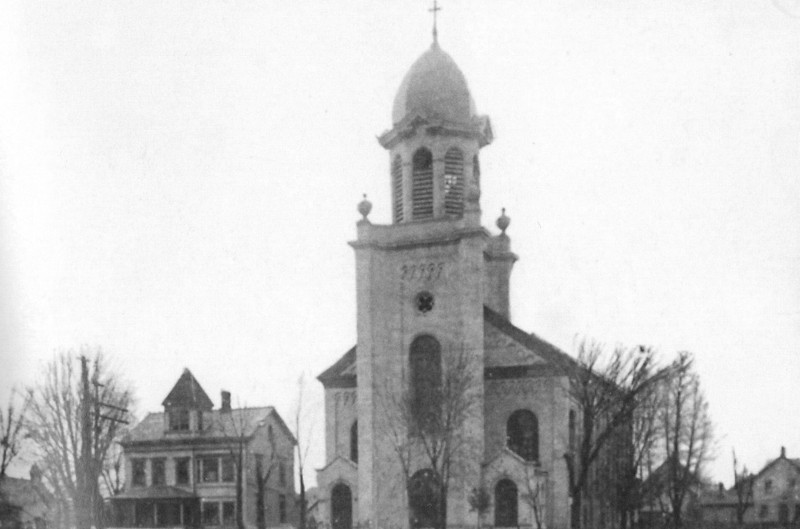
(364, 207)
(503, 221)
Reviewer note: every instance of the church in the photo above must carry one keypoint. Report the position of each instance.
(432, 287)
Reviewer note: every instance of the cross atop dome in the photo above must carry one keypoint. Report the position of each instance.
(435, 9)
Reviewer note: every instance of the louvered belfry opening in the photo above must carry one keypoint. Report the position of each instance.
(476, 170)
(453, 182)
(422, 185)
(397, 188)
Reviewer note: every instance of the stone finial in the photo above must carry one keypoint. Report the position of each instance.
(503, 221)
(364, 207)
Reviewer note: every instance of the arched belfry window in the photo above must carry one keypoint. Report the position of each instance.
(422, 185)
(522, 432)
(476, 170)
(425, 359)
(505, 504)
(453, 182)
(397, 188)
(354, 442)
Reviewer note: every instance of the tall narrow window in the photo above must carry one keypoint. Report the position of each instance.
(354, 442)
(422, 185)
(453, 182)
(476, 170)
(571, 427)
(139, 478)
(397, 188)
(182, 471)
(522, 432)
(157, 469)
(425, 358)
(505, 504)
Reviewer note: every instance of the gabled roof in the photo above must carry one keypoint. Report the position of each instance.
(187, 393)
(342, 374)
(792, 462)
(217, 426)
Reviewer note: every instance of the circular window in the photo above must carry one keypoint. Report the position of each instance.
(424, 302)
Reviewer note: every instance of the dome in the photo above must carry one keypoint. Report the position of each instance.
(436, 88)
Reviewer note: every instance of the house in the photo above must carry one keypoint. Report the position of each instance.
(182, 465)
(25, 503)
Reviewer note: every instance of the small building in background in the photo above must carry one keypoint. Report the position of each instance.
(182, 465)
(25, 503)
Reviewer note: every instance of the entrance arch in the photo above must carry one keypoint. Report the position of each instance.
(341, 507)
(423, 499)
(505, 504)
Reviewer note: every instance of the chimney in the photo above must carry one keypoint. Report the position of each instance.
(226, 401)
(783, 452)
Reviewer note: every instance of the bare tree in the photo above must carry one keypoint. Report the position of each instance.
(302, 434)
(687, 434)
(12, 425)
(534, 496)
(480, 501)
(73, 428)
(264, 468)
(743, 487)
(113, 475)
(607, 389)
(431, 425)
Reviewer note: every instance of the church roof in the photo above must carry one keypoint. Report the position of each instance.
(188, 393)
(434, 87)
(342, 374)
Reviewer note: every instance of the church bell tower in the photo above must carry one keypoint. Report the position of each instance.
(423, 280)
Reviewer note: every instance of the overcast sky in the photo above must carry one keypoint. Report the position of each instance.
(178, 181)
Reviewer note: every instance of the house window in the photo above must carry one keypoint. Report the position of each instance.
(281, 474)
(228, 469)
(783, 513)
(211, 513)
(522, 431)
(426, 380)
(505, 504)
(354, 442)
(282, 508)
(182, 471)
(768, 486)
(209, 469)
(157, 469)
(179, 420)
(139, 478)
(228, 513)
(200, 420)
(763, 511)
(572, 430)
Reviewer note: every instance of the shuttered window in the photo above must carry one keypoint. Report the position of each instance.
(453, 182)
(397, 188)
(422, 185)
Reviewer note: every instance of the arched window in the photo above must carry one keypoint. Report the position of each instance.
(476, 171)
(397, 188)
(571, 430)
(505, 504)
(422, 185)
(453, 182)
(354, 442)
(522, 431)
(425, 360)
(423, 499)
(341, 507)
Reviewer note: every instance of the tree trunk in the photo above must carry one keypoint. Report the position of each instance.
(575, 511)
(303, 502)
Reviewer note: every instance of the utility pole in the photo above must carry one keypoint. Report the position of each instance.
(89, 503)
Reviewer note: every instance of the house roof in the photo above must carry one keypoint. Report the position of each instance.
(342, 374)
(187, 393)
(218, 425)
(154, 492)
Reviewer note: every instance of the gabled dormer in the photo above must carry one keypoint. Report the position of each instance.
(185, 405)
